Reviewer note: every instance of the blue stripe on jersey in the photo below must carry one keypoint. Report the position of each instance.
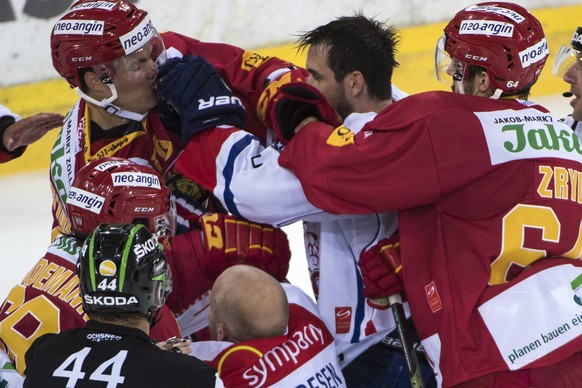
(359, 314)
(227, 172)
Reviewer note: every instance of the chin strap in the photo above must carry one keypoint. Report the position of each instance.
(107, 104)
(460, 87)
(496, 94)
(153, 318)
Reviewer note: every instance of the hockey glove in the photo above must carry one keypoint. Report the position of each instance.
(228, 240)
(294, 102)
(271, 92)
(191, 87)
(381, 269)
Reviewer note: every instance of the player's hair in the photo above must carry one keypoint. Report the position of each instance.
(129, 318)
(358, 43)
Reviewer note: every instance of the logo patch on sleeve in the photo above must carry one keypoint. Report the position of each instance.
(340, 137)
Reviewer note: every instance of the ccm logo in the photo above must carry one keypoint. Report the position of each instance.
(144, 209)
(476, 58)
(81, 59)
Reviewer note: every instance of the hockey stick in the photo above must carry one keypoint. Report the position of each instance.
(409, 352)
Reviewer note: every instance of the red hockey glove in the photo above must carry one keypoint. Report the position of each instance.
(267, 97)
(228, 240)
(289, 103)
(381, 269)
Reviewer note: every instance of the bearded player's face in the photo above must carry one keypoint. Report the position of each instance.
(323, 78)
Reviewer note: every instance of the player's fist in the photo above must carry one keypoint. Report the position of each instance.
(229, 240)
(288, 101)
(381, 269)
(191, 87)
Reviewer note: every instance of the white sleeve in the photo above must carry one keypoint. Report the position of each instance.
(251, 183)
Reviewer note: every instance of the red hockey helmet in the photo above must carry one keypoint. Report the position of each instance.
(94, 33)
(115, 190)
(504, 38)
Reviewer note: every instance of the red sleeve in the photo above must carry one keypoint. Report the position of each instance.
(412, 153)
(166, 326)
(198, 161)
(186, 259)
(245, 72)
(346, 174)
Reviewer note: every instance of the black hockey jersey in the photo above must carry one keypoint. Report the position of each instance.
(106, 355)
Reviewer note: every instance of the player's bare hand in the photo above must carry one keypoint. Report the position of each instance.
(28, 130)
(174, 344)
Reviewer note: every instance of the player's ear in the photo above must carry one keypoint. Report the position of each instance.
(221, 334)
(483, 82)
(95, 83)
(356, 83)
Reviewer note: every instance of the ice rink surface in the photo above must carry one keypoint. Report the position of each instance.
(25, 213)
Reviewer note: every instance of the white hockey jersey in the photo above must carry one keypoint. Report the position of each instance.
(248, 180)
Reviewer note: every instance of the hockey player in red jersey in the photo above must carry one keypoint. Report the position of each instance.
(568, 66)
(487, 189)
(47, 300)
(16, 133)
(119, 193)
(113, 69)
(116, 190)
(267, 334)
(350, 60)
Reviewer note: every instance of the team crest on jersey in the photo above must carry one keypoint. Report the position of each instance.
(107, 268)
(340, 137)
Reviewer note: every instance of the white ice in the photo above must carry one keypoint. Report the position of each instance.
(25, 214)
